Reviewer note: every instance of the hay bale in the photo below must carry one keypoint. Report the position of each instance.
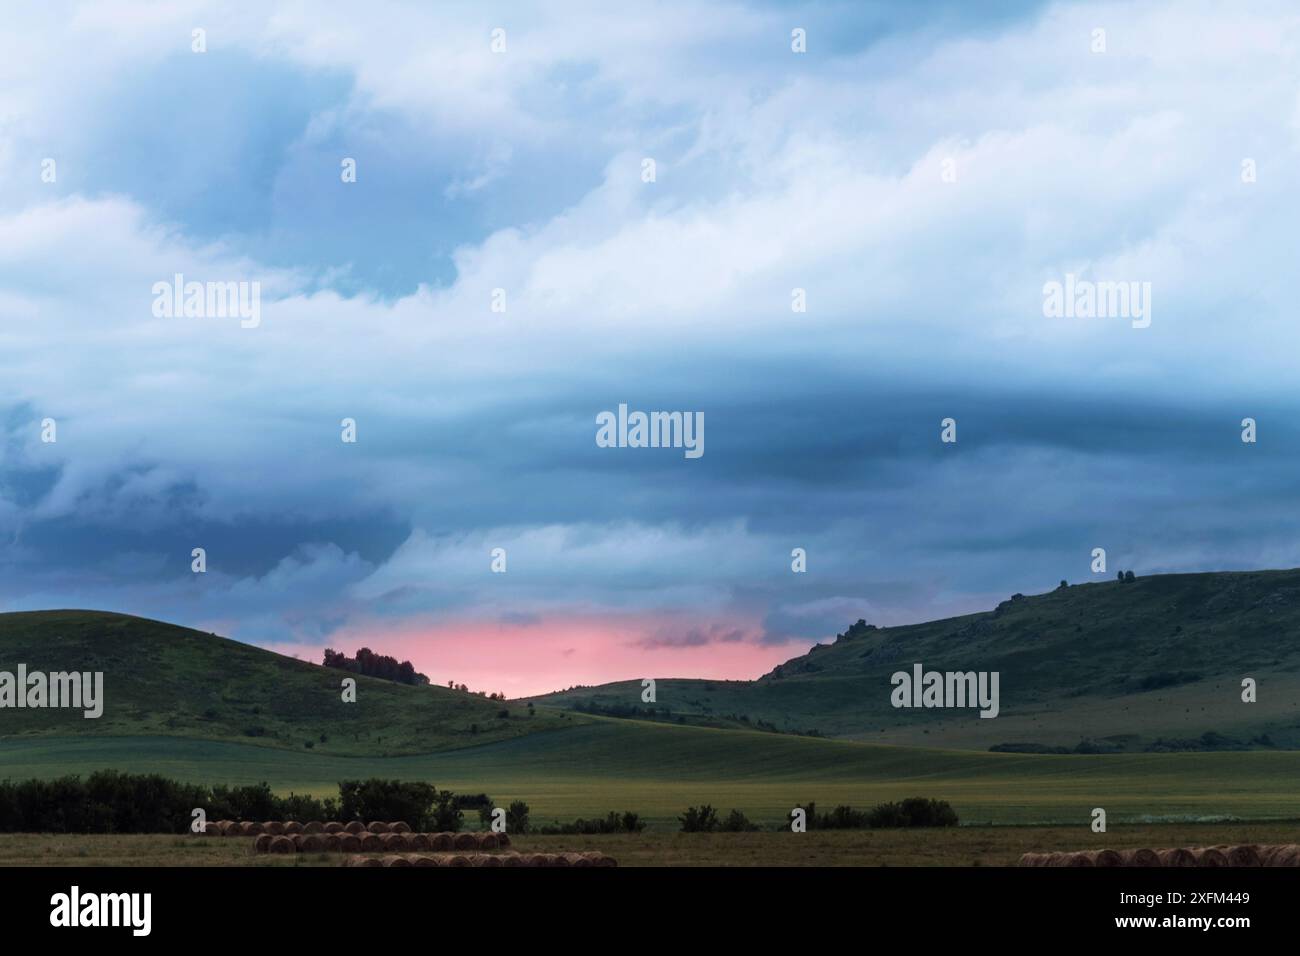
(370, 843)
(1285, 855)
(228, 828)
(423, 859)
(1176, 857)
(1033, 859)
(349, 843)
(465, 841)
(486, 859)
(558, 859)
(394, 859)
(356, 826)
(539, 859)
(364, 861)
(378, 826)
(212, 828)
(273, 827)
(1057, 858)
(456, 859)
(418, 841)
(399, 827)
(1245, 855)
(393, 842)
(1143, 857)
(263, 843)
(1082, 858)
(334, 827)
(333, 842)
(314, 826)
(311, 843)
(1210, 856)
(503, 840)
(281, 844)
(291, 827)
(511, 859)
(602, 860)
(441, 842)
(250, 829)
(577, 859)
(1107, 858)
(486, 841)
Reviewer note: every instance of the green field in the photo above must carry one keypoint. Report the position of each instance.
(659, 770)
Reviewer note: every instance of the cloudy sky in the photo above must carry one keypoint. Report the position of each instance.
(920, 171)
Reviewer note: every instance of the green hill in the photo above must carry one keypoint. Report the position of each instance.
(163, 679)
(1151, 664)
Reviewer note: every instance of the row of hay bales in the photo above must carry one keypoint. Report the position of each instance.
(292, 827)
(1284, 854)
(379, 842)
(484, 859)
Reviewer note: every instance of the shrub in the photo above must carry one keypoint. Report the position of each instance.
(517, 817)
(737, 822)
(702, 819)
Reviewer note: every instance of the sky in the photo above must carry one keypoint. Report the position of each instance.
(503, 270)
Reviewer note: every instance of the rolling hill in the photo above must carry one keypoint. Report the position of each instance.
(1150, 664)
(174, 681)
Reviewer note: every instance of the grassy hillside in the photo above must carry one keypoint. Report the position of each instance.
(163, 679)
(659, 770)
(1155, 662)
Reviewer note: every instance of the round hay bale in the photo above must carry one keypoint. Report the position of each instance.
(291, 827)
(273, 827)
(399, 827)
(423, 859)
(212, 828)
(558, 859)
(281, 844)
(602, 859)
(1178, 856)
(333, 827)
(1082, 858)
(487, 859)
(1057, 858)
(419, 841)
(394, 859)
(1033, 859)
(1107, 858)
(577, 859)
(378, 826)
(313, 826)
(465, 841)
(1245, 855)
(365, 861)
(1285, 855)
(538, 859)
(1210, 856)
(456, 859)
(393, 842)
(442, 842)
(356, 826)
(263, 843)
(333, 842)
(349, 843)
(229, 828)
(486, 841)
(311, 843)
(503, 840)
(1143, 857)
(250, 829)
(297, 839)
(512, 859)
(370, 843)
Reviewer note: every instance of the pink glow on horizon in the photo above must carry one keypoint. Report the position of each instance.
(522, 660)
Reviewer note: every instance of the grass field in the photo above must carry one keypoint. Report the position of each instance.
(963, 846)
(658, 770)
